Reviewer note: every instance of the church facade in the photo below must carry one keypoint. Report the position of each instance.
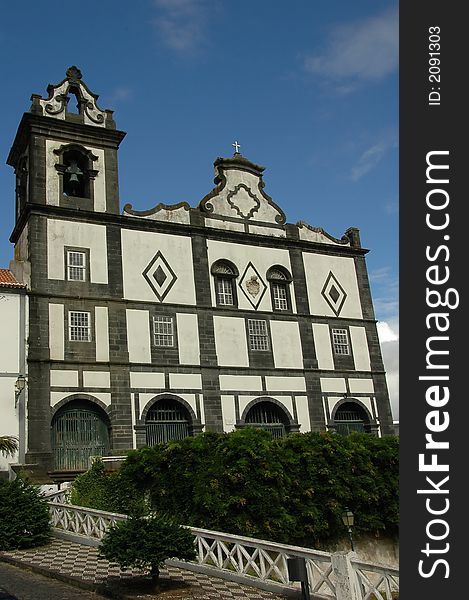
(152, 325)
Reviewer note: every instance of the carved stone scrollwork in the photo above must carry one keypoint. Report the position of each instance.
(92, 113)
(60, 102)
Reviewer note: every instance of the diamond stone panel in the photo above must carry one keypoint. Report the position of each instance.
(160, 276)
(333, 293)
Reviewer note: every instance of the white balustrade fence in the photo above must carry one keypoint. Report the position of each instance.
(259, 563)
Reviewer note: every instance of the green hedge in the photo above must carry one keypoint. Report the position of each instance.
(107, 491)
(291, 490)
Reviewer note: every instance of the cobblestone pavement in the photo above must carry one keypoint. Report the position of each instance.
(25, 585)
(79, 564)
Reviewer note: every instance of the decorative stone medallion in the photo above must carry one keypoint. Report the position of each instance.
(252, 285)
(159, 276)
(243, 201)
(333, 293)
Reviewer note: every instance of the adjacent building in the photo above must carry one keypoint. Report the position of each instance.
(151, 325)
(13, 328)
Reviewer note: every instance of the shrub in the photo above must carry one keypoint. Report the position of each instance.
(24, 515)
(106, 491)
(291, 490)
(145, 543)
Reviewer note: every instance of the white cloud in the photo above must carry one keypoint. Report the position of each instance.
(368, 160)
(358, 52)
(388, 333)
(385, 333)
(181, 23)
(121, 94)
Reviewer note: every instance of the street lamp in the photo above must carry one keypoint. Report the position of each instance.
(348, 520)
(20, 384)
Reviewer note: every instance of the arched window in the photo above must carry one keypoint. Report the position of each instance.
(80, 430)
(350, 417)
(167, 420)
(267, 415)
(279, 279)
(224, 274)
(76, 169)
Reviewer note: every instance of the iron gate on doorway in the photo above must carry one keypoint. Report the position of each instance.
(166, 420)
(78, 434)
(266, 415)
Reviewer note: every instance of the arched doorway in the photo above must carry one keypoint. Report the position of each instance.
(350, 417)
(166, 420)
(267, 415)
(80, 430)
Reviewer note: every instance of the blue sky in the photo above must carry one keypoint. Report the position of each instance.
(309, 89)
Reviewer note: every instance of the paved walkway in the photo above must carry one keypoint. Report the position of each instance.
(78, 564)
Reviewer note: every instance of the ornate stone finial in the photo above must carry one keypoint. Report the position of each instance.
(73, 73)
(236, 146)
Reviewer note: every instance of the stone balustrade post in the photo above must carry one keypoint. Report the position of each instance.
(345, 580)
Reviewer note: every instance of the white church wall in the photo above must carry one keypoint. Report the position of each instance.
(322, 342)
(101, 326)
(96, 379)
(241, 383)
(303, 413)
(286, 344)
(61, 234)
(361, 386)
(230, 341)
(188, 339)
(142, 250)
(228, 413)
(63, 378)
(138, 335)
(317, 269)
(361, 355)
(147, 380)
(56, 331)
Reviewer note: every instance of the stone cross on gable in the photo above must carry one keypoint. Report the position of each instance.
(236, 146)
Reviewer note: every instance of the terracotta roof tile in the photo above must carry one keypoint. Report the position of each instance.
(7, 280)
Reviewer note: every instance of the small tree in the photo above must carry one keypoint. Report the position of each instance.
(24, 515)
(145, 543)
(8, 445)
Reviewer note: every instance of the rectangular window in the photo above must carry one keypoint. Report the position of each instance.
(76, 265)
(79, 326)
(258, 335)
(279, 294)
(340, 341)
(224, 291)
(163, 331)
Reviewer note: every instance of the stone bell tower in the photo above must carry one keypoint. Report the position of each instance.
(65, 161)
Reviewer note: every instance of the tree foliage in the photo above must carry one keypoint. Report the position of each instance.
(292, 490)
(24, 515)
(107, 491)
(8, 445)
(145, 543)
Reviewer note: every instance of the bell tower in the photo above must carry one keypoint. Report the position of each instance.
(65, 235)
(65, 151)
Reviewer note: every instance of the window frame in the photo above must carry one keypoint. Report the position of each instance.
(85, 267)
(284, 281)
(252, 335)
(226, 271)
(337, 344)
(163, 319)
(86, 327)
